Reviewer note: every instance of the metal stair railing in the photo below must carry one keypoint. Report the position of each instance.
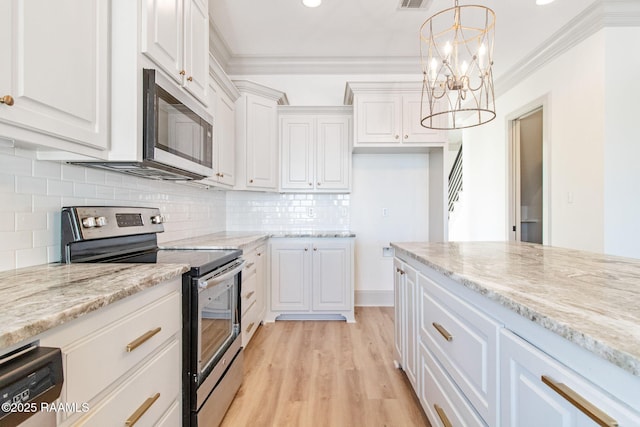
(455, 180)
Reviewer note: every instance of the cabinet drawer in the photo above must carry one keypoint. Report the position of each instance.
(156, 386)
(532, 383)
(464, 341)
(250, 323)
(441, 399)
(248, 292)
(102, 357)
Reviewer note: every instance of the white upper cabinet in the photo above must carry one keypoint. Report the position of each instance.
(387, 117)
(55, 69)
(257, 136)
(175, 37)
(315, 149)
(222, 97)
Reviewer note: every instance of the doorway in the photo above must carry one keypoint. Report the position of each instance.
(527, 170)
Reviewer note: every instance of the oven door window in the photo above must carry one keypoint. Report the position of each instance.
(217, 324)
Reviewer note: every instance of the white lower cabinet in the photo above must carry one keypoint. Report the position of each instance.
(311, 278)
(252, 295)
(539, 391)
(123, 362)
(407, 345)
(472, 370)
(443, 403)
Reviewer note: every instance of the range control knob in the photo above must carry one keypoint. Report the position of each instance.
(89, 222)
(101, 221)
(157, 219)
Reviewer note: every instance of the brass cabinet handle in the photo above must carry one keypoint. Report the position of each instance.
(406, 137)
(311, 184)
(250, 327)
(250, 181)
(142, 339)
(7, 100)
(397, 136)
(189, 79)
(306, 249)
(141, 410)
(315, 249)
(249, 265)
(249, 294)
(586, 407)
(447, 336)
(259, 254)
(183, 72)
(319, 184)
(443, 417)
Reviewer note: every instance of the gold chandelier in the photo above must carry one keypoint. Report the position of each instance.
(456, 50)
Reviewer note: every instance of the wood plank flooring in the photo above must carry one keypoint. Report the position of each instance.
(327, 373)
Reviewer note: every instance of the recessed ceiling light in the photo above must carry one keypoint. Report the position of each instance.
(542, 2)
(311, 3)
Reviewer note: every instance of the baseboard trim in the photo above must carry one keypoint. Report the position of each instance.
(374, 298)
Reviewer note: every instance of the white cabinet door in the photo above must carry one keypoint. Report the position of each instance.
(398, 311)
(262, 148)
(196, 53)
(528, 397)
(290, 275)
(331, 283)
(297, 153)
(333, 154)
(163, 35)
(225, 141)
(55, 61)
(406, 320)
(379, 118)
(412, 130)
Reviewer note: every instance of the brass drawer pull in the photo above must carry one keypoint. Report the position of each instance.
(586, 407)
(249, 294)
(250, 327)
(447, 336)
(249, 265)
(142, 339)
(135, 417)
(443, 416)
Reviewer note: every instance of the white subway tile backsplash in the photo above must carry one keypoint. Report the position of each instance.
(31, 185)
(32, 193)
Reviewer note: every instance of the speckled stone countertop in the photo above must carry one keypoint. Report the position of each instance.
(590, 299)
(35, 299)
(243, 239)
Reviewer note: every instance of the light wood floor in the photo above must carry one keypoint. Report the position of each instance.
(327, 373)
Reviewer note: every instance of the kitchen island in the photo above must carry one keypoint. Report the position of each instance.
(493, 318)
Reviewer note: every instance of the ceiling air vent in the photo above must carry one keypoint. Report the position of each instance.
(414, 4)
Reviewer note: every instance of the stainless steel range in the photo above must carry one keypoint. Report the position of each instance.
(212, 354)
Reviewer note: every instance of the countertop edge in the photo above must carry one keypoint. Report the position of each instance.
(619, 358)
(45, 323)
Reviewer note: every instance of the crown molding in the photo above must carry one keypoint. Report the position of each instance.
(219, 76)
(247, 86)
(600, 14)
(256, 65)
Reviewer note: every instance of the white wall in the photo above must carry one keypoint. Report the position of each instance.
(399, 184)
(622, 148)
(32, 193)
(574, 135)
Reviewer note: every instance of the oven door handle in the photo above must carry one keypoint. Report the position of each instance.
(209, 282)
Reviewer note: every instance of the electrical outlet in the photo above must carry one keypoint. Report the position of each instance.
(311, 212)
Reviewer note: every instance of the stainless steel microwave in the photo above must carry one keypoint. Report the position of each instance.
(177, 135)
(176, 131)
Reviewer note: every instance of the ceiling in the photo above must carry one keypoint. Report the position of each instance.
(254, 31)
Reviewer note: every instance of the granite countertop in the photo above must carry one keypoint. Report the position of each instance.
(590, 299)
(244, 239)
(35, 299)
